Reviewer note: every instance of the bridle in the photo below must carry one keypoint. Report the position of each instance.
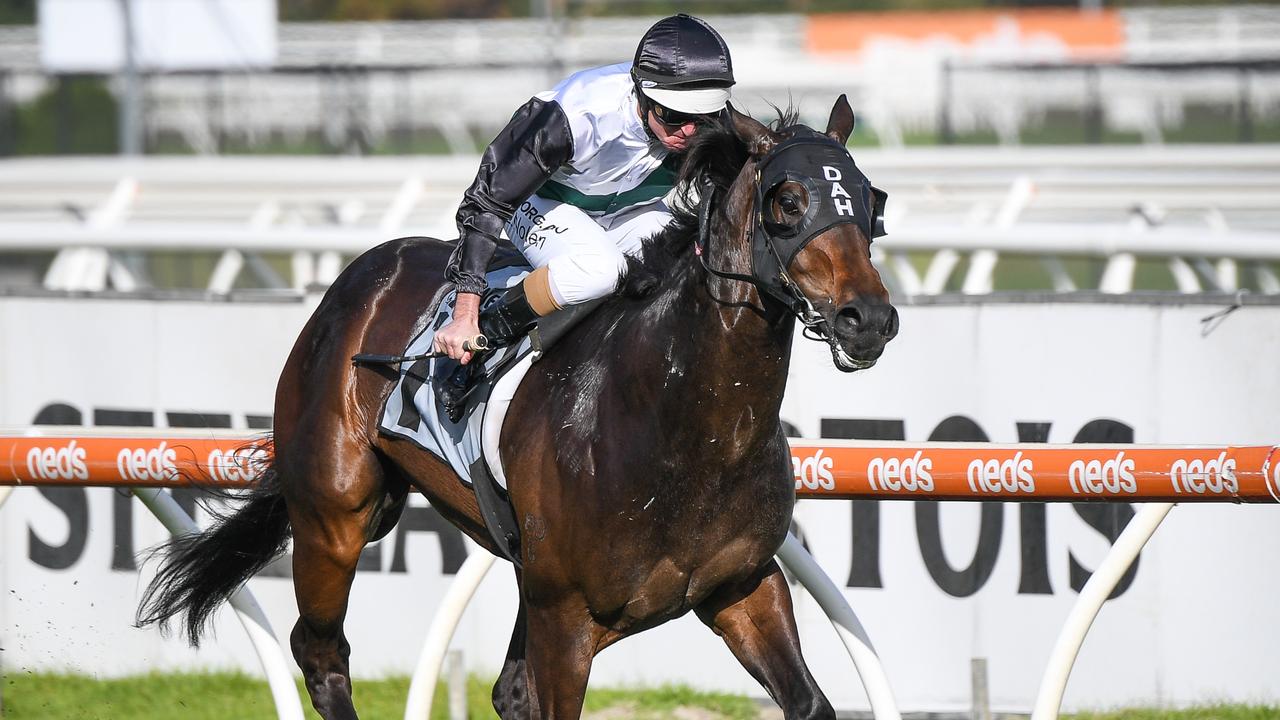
(775, 245)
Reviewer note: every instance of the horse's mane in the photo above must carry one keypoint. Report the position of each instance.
(714, 159)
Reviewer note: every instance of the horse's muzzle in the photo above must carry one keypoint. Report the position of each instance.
(862, 329)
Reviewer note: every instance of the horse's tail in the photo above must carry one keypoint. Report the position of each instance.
(202, 570)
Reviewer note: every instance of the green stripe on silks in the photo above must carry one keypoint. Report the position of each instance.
(655, 185)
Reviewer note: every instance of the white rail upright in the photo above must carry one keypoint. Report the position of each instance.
(1096, 591)
(798, 560)
(422, 688)
(792, 555)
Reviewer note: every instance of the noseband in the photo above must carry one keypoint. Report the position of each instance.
(825, 169)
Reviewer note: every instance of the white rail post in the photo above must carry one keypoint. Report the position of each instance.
(457, 686)
(801, 564)
(982, 263)
(87, 267)
(279, 676)
(422, 687)
(410, 192)
(1095, 593)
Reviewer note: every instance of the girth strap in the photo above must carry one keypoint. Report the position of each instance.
(497, 511)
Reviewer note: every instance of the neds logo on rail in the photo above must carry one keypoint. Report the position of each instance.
(901, 474)
(1214, 477)
(237, 466)
(1114, 475)
(64, 463)
(995, 475)
(813, 472)
(156, 464)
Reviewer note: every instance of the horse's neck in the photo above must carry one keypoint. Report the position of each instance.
(737, 343)
(725, 358)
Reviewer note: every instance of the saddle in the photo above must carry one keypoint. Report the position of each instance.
(463, 431)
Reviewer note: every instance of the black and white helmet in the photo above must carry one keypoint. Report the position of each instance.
(682, 63)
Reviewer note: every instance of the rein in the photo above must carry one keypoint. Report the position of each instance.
(815, 326)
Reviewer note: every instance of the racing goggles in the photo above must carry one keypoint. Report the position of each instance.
(675, 118)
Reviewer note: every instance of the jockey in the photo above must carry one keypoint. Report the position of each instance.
(577, 179)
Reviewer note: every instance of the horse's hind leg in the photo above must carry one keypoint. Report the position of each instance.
(756, 620)
(333, 506)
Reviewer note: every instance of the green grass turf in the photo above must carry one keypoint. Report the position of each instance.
(217, 696)
(1221, 711)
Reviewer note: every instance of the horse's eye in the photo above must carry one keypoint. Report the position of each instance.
(789, 205)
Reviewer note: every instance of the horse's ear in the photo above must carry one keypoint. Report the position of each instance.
(758, 138)
(840, 124)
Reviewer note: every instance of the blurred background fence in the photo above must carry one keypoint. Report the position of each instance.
(1044, 149)
(966, 76)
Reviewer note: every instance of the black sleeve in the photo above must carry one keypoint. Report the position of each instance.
(529, 150)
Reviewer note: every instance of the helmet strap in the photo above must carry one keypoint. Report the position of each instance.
(645, 105)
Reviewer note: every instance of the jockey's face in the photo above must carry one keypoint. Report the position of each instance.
(674, 136)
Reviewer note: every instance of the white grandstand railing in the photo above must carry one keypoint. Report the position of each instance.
(1208, 212)
(1084, 240)
(1198, 259)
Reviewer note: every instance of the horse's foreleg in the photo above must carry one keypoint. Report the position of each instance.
(757, 622)
(560, 642)
(331, 519)
(512, 693)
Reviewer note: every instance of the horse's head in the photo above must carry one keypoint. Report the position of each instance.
(812, 215)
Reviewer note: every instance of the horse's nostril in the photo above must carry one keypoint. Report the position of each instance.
(890, 329)
(849, 318)
(869, 318)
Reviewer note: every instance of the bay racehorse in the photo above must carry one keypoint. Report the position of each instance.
(647, 462)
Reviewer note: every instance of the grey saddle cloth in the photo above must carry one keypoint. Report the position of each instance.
(411, 410)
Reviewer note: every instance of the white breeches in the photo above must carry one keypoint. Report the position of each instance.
(584, 255)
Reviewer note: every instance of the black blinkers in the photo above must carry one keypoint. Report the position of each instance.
(838, 194)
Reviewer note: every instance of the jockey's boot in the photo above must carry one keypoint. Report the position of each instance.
(507, 319)
(502, 323)
(451, 381)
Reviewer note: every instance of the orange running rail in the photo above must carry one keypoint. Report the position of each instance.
(822, 468)
(1035, 472)
(130, 461)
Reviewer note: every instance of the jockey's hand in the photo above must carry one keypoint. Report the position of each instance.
(464, 326)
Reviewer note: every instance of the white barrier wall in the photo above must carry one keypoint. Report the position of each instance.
(935, 584)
